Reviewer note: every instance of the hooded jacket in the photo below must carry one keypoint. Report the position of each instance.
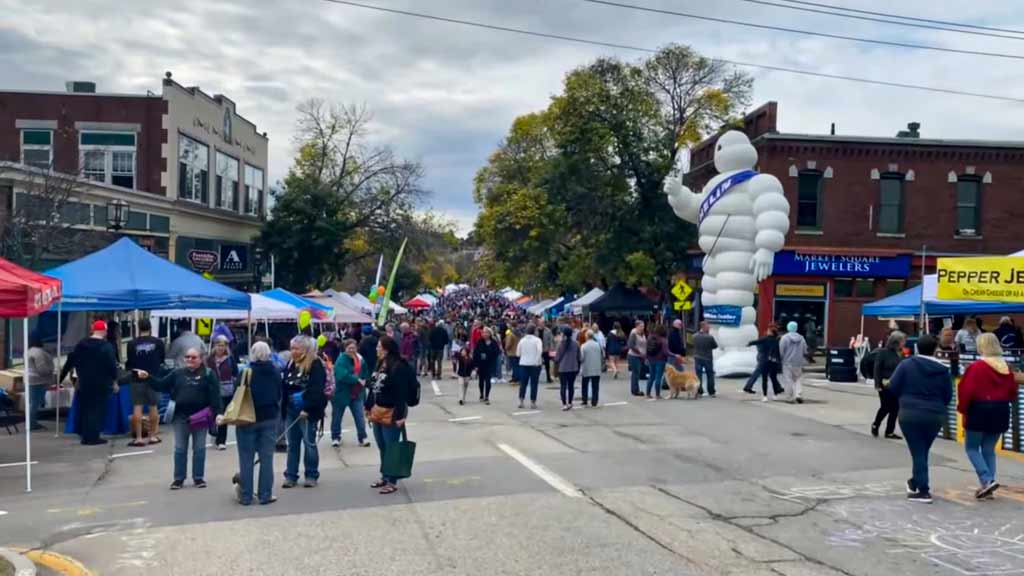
(265, 385)
(94, 361)
(793, 350)
(985, 394)
(923, 386)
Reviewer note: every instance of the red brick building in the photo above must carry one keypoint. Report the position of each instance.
(867, 212)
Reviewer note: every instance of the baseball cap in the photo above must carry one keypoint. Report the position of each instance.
(99, 326)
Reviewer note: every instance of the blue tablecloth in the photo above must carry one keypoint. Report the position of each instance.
(119, 412)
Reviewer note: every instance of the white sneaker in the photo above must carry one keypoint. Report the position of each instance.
(335, 443)
(764, 399)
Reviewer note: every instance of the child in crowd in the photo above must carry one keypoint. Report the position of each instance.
(464, 368)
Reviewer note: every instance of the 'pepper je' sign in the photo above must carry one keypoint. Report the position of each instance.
(982, 279)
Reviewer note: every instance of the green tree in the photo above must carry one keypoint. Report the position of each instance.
(573, 195)
(341, 196)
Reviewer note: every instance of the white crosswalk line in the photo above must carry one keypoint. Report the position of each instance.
(465, 419)
(615, 403)
(524, 413)
(553, 480)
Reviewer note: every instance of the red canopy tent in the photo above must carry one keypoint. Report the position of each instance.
(416, 303)
(23, 294)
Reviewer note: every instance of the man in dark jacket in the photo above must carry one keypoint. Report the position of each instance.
(677, 343)
(923, 388)
(886, 362)
(95, 364)
(1007, 334)
(438, 340)
(368, 348)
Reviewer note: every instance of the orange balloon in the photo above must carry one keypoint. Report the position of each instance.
(380, 290)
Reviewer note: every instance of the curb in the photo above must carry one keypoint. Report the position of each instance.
(22, 566)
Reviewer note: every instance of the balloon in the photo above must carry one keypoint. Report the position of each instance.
(380, 290)
(321, 341)
(373, 297)
(304, 319)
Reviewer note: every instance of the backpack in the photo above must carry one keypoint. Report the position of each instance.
(867, 364)
(329, 380)
(653, 347)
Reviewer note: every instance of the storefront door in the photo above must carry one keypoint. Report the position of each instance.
(803, 304)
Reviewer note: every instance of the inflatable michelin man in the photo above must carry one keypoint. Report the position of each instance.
(743, 217)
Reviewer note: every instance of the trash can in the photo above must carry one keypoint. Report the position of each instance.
(840, 365)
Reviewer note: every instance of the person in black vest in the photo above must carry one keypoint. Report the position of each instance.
(145, 353)
(95, 364)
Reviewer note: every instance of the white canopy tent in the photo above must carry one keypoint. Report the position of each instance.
(263, 308)
(351, 301)
(576, 306)
(341, 312)
(512, 295)
(541, 307)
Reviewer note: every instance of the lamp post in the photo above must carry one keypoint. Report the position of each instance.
(117, 214)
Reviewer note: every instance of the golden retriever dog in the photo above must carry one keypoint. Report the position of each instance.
(681, 381)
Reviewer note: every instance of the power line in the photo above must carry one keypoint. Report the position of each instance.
(653, 51)
(805, 32)
(913, 18)
(883, 20)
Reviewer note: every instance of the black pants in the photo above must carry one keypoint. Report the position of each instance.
(920, 432)
(222, 431)
(547, 366)
(770, 370)
(530, 379)
(436, 363)
(92, 412)
(590, 383)
(484, 380)
(888, 405)
(568, 387)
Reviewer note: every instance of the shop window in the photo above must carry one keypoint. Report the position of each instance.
(227, 182)
(193, 170)
(253, 190)
(37, 148)
(109, 157)
(159, 224)
(893, 287)
(137, 220)
(854, 288)
(890, 210)
(809, 209)
(968, 203)
(76, 213)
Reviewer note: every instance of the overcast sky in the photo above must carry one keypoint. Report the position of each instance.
(446, 94)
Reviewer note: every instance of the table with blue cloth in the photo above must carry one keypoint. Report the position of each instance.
(119, 413)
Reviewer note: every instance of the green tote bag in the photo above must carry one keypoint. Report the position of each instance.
(398, 458)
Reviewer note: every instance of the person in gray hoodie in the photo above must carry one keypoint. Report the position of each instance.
(924, 389)
(793, 351)
(568, 360)
(592, 363)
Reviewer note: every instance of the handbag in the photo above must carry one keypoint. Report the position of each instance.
(200, 420)
(398, 458)
(383, 416)
(241, 411)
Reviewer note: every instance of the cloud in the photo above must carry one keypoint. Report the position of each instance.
(447, 94)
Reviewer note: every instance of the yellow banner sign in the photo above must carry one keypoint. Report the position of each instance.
(983, 279)
(801, 290)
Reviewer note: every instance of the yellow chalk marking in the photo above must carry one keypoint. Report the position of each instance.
(59, 563)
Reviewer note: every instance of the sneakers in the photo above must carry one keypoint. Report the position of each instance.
(533, 406)
(271, 500)
(986, 490)
(799, 400)
(911, 489)
(289, 484)
(177, 485)
(874, 430)
(364, 443)
(893, 437)
(199, 483)
(222, 447)
(309, 483)
(462, 402)
(521, 405)
(920, 497)
(764, 398)
(335, 443)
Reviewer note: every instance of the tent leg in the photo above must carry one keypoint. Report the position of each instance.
(135, 324)
(60, 396)
(266, 324)
(28, 409)
(861, 324)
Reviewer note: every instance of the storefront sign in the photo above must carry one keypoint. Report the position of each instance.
(792, 263)
(723, 315)
(234, 257)
(984, 279)
(800, 290)
(203, 260)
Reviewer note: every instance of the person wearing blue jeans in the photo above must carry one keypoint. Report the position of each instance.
(704, 345)
(705, 374)
(981, 451)
(654, 379)
(385, 437)
(636, 365)
(256, 440)
(354, 405)
(182, 436)
(304, 403)
(530, 379)
(302, 437)
(350, 372)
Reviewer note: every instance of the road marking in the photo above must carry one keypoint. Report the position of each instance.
(90, 511)
(437, 389)
(553, 480)
(653, 399)
(615, 403)
(11, 464)
(138, 453)
(3, 512)
(465, 419)
(526, 412)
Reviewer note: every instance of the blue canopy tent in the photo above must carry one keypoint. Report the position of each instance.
(125, 276)
(282, 295)
(908, 303)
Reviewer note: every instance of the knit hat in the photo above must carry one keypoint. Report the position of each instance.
(791, 327)
(99, 326)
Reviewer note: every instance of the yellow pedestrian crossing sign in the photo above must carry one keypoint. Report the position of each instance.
(682, 291)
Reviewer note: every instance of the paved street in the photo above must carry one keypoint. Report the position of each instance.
(724, 486)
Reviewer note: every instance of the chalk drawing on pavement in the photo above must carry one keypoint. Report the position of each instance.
(804, 494)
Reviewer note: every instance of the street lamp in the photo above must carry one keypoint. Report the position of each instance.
(117, 214)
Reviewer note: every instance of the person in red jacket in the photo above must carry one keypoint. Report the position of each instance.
(984, 398)
(475, 334)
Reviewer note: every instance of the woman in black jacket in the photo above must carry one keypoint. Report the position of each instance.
(192, 389)
(485, 358)
(768, 363)
(303, 403)
(386, 404)
(886, 361)
(264, 382)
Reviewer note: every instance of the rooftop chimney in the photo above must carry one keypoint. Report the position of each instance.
(912, 131)
(79, 87)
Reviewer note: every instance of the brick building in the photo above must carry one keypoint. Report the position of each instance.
(867, 212)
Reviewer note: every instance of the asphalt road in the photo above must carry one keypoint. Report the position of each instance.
(723, 486)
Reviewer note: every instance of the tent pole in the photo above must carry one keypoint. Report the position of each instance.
(60, 397)
(135, 324)
(861, 324)
(248, 328)
(924, 253)
(28, 408)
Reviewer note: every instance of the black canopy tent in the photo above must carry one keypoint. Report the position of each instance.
(621, 300)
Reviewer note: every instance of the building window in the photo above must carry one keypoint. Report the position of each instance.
(808, 214)
(968, 202)
(159, 224)
(890, 211)
(253, 190)
(137, 220)
(109, 157)
(193, 170)
(854, 288)
(227, 182)
(893, 286)
(37, 148)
